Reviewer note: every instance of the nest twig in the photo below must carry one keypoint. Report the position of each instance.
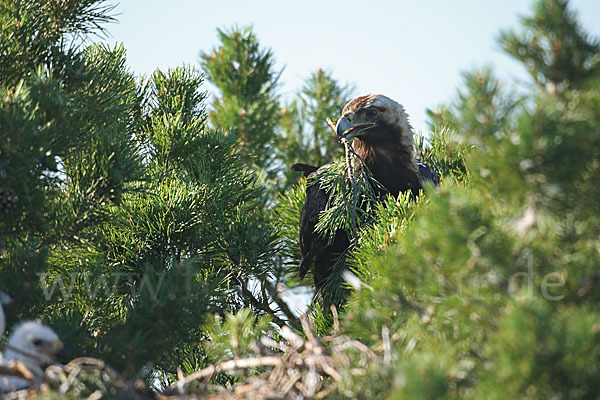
(17, 369)
(301, 368)
(349, 152)
(295, 367)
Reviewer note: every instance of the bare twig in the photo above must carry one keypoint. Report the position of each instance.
(332, 126)
(273, 344)
(260, 305)
(387, 347)
(336, 321)
(290, 382)
(354, 190)
(303, 368)
(292, 337)
(223, 367)
(283, 307)
(307, 326)
(18, 369)
(331, 371)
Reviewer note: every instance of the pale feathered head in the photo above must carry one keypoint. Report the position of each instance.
(375, 118)
(34, 344)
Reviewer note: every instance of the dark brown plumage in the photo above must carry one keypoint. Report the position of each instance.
(304, 168)
(383, 139)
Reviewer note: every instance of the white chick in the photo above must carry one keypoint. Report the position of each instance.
(35, 345)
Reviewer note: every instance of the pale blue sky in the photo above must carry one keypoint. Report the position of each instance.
(412, 51)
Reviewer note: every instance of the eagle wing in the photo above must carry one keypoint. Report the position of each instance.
(427, 175)
(311, 245)
(304, 168)
(317, 254)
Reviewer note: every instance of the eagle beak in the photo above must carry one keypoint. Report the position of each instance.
(345, 129)
(61, 352)
(63, 355)
(56, 352)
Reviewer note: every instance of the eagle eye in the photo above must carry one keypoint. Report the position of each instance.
(37, 342)
(371, 113)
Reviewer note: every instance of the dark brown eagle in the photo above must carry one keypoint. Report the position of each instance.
(383, 139)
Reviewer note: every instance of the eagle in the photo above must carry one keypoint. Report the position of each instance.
(383, 140)
(35, 345)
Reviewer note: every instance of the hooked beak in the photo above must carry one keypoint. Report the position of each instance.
(60, 352)
(64, 354)
(345, 129)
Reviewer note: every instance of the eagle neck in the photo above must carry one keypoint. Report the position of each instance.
(392, 164)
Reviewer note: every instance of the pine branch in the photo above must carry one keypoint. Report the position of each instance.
(260, 305)
(283, 307)
(350, 170)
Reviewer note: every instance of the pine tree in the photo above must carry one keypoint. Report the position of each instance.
(306, 137)
(140, 235)
(483, 107)
(554, 48)
(248, 103)
(486, 290)
(125, 219)
(37, 32)
(66, 155)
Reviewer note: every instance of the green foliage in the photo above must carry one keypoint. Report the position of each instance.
(125, 219)
(407, 377)
(66, 159)
(305, 136)
(444, 153)
(248, 102)
(233, 336)
(346, 203)
(534, 336)
(557, 52)
(287, 210)
(34, 33)
(350, 208)
(488, 288)
(482, 108)
(142, 237)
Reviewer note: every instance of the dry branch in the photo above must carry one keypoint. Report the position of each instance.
(294, 368)
(17, 369)
(302, 368)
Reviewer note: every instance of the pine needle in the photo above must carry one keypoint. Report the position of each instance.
(349, 152)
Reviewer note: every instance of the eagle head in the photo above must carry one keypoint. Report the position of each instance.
(34, 344)
(375, 118)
